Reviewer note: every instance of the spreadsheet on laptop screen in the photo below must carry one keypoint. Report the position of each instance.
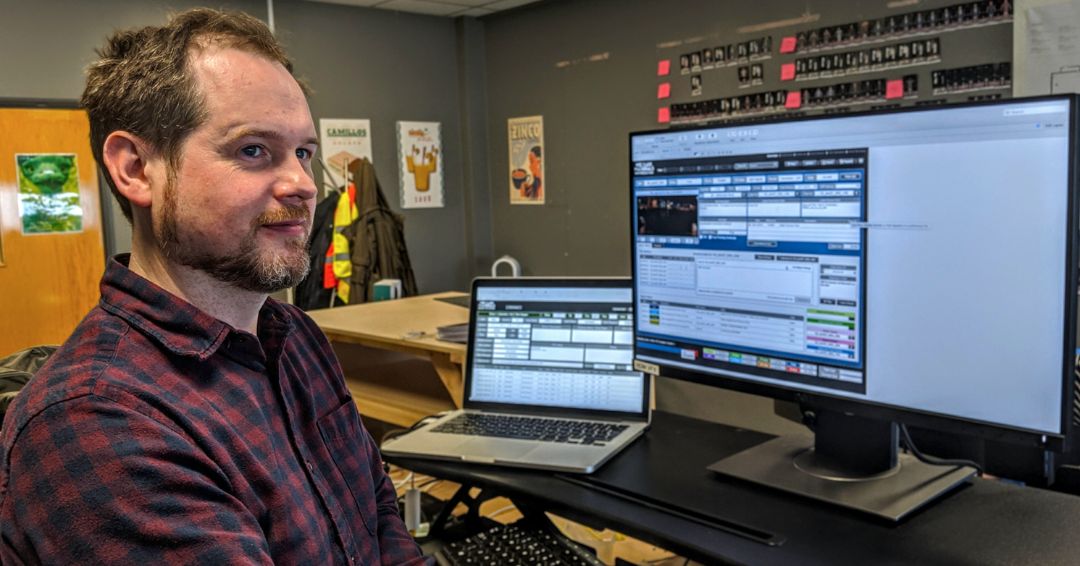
(555, 347)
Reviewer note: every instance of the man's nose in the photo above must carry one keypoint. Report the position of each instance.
(295, 182)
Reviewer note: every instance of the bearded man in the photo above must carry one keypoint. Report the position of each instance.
(190, 419)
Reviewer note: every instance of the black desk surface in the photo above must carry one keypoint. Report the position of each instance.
(983, 522)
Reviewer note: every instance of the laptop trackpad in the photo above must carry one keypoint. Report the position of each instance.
(495, 448)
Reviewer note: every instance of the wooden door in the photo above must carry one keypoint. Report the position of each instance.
(48, 278)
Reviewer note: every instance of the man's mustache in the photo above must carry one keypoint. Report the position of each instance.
(284, 214)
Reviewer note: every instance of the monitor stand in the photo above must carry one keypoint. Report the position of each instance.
(850, 461)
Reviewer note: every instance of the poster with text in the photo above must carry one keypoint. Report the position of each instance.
(526, 160)
(420, 164)
(49, 193)
(342, 142)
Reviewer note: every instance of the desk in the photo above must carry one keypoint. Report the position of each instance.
(387, 325)
(982, 522)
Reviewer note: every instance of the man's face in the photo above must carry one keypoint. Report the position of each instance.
(534, 164)
(241, 203)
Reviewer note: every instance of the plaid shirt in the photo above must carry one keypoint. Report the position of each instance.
(160, 435)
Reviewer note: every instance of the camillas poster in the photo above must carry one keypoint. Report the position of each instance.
(49, 193)
(420, 163)
(526, 160)
(343, 141)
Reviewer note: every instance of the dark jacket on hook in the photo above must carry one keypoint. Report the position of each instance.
(376, 240)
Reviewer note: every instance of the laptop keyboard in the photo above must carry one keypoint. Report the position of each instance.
(531, 428)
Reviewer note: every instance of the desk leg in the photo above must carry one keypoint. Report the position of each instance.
(472, 516)
(450, 374)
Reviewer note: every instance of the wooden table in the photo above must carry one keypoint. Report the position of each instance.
(407, 326)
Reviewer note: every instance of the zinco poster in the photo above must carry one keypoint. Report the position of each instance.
(526, 160)
(420, 164)
(343, 141)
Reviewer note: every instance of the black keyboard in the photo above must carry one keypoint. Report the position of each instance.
(532, 428)
(518, 544)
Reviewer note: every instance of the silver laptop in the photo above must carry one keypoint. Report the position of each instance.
(549, 379)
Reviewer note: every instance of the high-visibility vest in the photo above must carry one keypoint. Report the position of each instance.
(337, 267)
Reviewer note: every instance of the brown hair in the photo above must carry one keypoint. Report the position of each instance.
(143, 83)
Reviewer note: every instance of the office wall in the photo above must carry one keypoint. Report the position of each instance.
(589, 67)
(362, 63)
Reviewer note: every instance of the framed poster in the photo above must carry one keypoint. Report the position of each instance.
(343, 141)
(49, 200)
(526, 160)
(420, 164)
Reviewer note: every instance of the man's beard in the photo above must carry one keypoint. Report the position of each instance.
(245, 267)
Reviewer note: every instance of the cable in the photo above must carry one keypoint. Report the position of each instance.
(500, 511)
(426, 486)
(408, 478)
(936, 461)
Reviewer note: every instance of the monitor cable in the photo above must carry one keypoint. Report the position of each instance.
(935, 461)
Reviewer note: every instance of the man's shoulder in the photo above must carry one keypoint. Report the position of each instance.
(89, 354)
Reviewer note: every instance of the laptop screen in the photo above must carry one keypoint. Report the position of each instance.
(567, 347)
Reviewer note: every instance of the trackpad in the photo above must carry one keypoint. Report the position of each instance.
(495, 448)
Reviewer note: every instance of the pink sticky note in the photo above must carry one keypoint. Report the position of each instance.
(664, 90)
(663, 116)
(787, 45)
(894, 89)
(787, 71)
(663, 68)
(794, 99)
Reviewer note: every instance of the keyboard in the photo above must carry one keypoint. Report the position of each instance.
(517, 544)
(532, 428)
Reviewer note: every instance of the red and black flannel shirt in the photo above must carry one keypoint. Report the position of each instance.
(160, 435)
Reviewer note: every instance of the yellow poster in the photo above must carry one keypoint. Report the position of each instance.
(420, 163)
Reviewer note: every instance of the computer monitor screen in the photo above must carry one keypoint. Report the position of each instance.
(910, 264)
(563, 344)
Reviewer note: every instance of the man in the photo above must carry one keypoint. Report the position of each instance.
(534, 189)
(190, 419)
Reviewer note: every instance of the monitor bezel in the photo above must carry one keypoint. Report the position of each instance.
(869, 409)
(535, 282)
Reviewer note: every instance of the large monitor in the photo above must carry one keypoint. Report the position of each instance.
(911, 266)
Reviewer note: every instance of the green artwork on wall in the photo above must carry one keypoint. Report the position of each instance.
(48, 193)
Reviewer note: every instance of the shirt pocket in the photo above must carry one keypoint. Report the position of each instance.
(345, 439)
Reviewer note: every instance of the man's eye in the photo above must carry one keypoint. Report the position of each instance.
(253, 151)
(303, 154)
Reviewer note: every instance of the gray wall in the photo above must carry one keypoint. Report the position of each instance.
(362, 63)
(589, 109)
(390, 66)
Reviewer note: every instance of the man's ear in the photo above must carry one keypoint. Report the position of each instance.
(127, 159)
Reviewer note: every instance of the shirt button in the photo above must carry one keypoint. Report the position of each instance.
(310, 467)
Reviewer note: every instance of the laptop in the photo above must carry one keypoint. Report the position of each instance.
(549, 378)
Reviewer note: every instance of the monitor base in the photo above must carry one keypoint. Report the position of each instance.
(788, 463)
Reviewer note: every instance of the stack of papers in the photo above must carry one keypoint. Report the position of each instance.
(454, 333)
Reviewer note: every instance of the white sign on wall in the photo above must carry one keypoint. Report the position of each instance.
(341, 142)
(420, 164)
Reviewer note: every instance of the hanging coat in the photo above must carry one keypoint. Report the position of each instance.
(338, 266)
(377, 240)
(310, 293)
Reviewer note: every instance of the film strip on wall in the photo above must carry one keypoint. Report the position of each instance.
(940, 20)
(816, 70)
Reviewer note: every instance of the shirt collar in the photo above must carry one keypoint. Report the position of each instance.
(175, 323)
